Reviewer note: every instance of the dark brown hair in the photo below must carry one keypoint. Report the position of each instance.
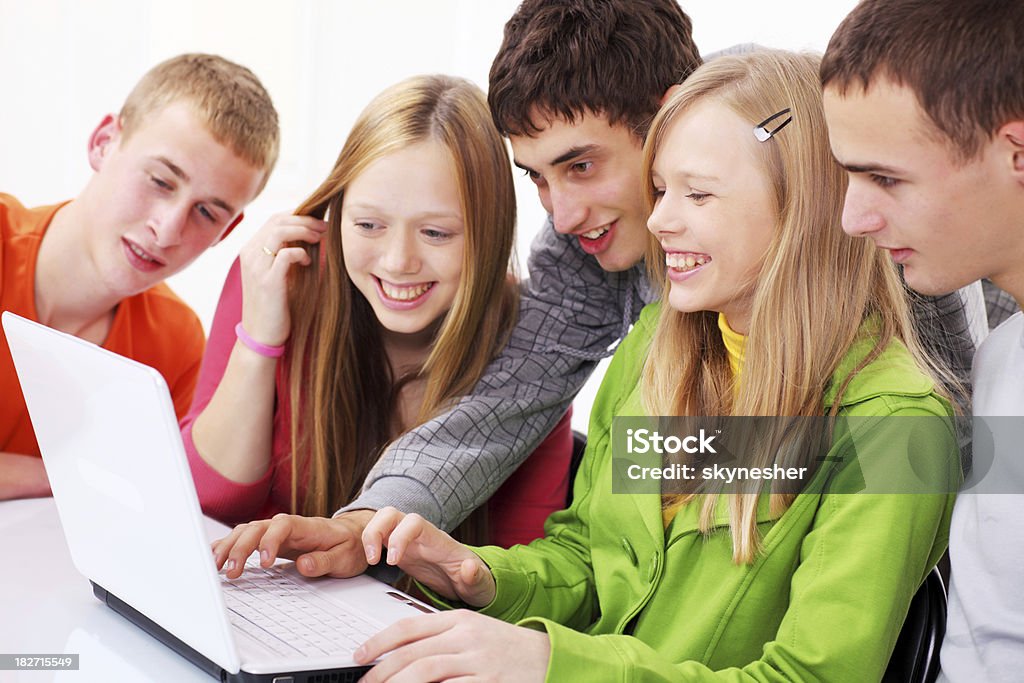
(564, 58)
(963, 59)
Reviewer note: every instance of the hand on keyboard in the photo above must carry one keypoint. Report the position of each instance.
(286, 617)
(429, 555)
(319, 546)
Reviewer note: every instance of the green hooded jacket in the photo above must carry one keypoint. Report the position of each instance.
(622, 599)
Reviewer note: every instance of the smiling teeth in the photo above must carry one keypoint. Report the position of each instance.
(141, 254)
(684, 262)
(595, 233)
(404, 293)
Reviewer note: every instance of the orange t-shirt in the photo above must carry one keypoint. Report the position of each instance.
(154, 327)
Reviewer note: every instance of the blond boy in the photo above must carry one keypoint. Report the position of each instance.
(193, 144)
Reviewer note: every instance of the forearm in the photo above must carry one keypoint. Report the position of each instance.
(22, 476)
(448, 467)
(545, 579)
(234, 432)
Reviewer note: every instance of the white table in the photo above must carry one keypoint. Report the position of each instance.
(47, 607)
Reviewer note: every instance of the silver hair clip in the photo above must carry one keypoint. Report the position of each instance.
(763, 134)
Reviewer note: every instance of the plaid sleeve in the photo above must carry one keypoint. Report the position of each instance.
(998, 304)
(943, 327)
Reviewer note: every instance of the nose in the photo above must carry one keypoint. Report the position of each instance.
(168, 224)
(401, 254)
(861, 217)
(662, 221)
(568, 209)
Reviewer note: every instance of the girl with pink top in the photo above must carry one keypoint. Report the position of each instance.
(364, 314)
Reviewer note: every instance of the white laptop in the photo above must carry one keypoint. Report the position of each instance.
(113, 453)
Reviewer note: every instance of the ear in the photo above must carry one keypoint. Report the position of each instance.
(227, 231)
(102, 139)
(1012, 137)
(672, 90)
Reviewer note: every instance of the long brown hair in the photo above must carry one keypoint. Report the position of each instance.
(342, 391)
(816, 288)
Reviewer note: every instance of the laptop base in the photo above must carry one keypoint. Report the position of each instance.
(349, 675)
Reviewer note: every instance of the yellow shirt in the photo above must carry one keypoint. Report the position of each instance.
(735, 346)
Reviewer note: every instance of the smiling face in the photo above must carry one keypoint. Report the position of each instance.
(159, 197)
(947, 223)
(714, 214)
(402, 234)
(588, 178)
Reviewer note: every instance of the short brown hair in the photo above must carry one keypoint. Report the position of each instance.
(569, 57)
(228, 97)
(963, 59)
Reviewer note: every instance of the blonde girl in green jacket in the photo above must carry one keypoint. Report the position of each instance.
(769, 309)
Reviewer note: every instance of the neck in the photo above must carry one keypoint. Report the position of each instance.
(408, 352)
(69, 293)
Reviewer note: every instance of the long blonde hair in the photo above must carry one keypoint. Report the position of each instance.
(815, 289)
(342, 393)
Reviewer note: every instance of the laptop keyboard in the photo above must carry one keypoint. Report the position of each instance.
(287, 617)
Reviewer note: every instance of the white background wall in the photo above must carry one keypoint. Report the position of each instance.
(66, 63)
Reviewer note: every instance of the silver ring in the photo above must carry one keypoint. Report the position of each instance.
(269, 252)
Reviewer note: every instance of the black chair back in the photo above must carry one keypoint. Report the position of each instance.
(916, 656)
(579, 446)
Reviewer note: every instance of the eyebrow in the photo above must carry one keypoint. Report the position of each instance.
(569, 155)
(701, 176)
(573, 153)
(689, 175)
(371, 208)
(180, 173)
(174, 168)
(869, 168)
